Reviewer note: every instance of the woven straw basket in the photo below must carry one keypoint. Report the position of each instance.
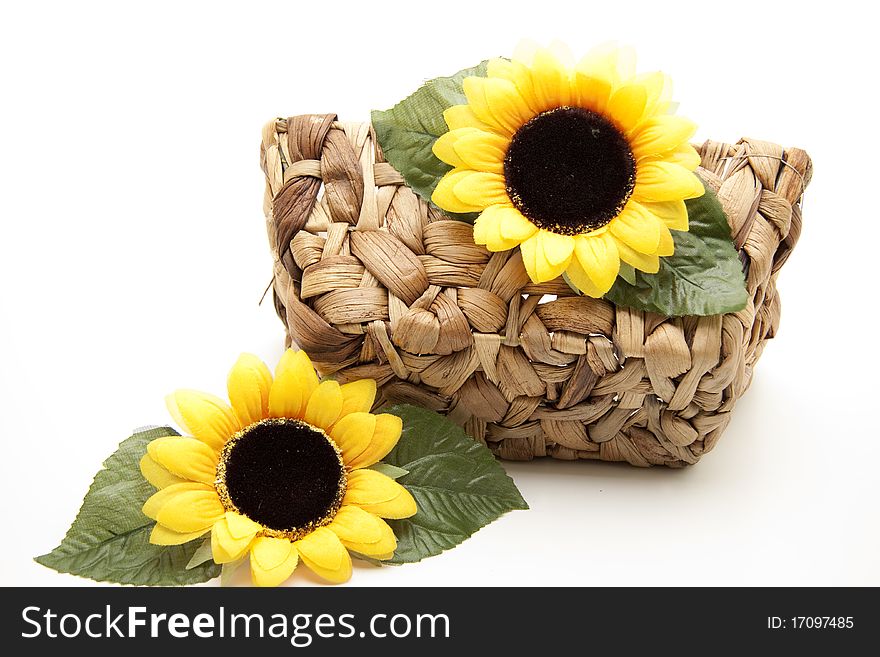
(373, 282)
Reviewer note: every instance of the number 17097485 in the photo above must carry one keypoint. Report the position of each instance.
(810, 622)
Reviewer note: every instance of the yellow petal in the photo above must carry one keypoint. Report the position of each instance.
(226, 548)
(658, 87)
(625, 62)
(538, 267)
(667, 245)
(557, 248)
(650, 264)
(482, 189)
(529, 250)
(370, 487)
(626, 107)
(249, 384)
(598, 65)
(190, 511)
(496, 102)
(524, 52)
(384, 438)
(673, 214)
(661, 133)
(325, 555)
(549, 80)
(295, 380)
(663, 181)
(324, 405)
(203, 416)
(163, 536)
(443, 149)
(185, 457)
(270, 552)
(489, 225)
(376, 493)
(597, 255)
(590, 92)
(158, 476)
(514, 226)
(637, 228)
(519, 74)
(480, 150)
(444, 196)
(355, 525)
(461, 116)
(608, 63)
(160, 498)
(579, 278)
(353, 433)
(382, 550)
(563, 54)
(267, 550)
(241, 526)
(685, 155)
(358, 396)
(363, 532)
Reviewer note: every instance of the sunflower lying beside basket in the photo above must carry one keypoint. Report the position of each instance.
(291, 470)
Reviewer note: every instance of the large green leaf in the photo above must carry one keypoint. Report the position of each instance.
(407, 131)
(703, 277)
(456, 482)
(109, 540)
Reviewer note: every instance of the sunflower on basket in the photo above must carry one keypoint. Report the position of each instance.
(582, 167)
(281, 474)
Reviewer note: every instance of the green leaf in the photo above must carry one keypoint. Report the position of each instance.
(370, 560)
(388, 470)
(703, 277)
(407, 131)
(458, 485)
(627, 273)
(109, 540)
(202, 554)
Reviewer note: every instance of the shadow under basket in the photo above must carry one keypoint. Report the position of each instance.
(373, 282)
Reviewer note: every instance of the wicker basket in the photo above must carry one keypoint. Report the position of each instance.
(372, 281)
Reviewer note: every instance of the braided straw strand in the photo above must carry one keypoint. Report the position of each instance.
(374, 282)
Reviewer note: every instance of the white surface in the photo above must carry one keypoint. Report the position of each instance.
(134, 254)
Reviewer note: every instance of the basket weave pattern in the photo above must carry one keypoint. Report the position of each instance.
(373, 282)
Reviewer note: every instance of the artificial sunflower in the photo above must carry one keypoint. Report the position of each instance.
(281, 474)
(581, 168)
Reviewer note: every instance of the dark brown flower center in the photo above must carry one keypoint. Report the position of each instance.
(569, 170)
(284, 474)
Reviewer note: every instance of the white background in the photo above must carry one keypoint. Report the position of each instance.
(134, 255)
